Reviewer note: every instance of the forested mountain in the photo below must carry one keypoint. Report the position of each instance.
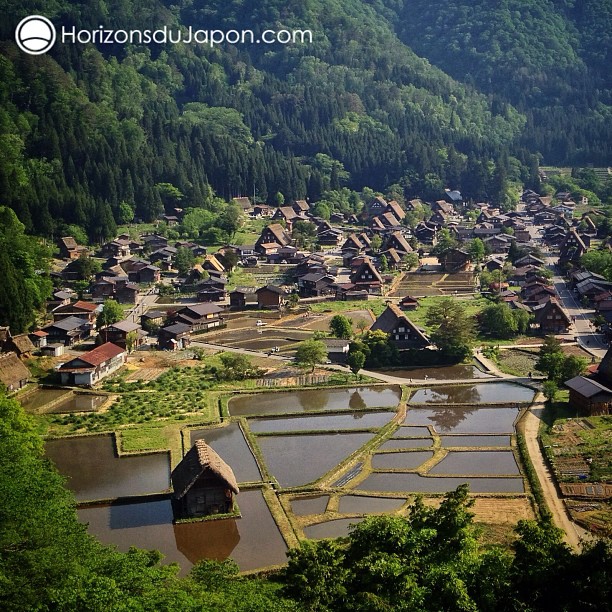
(549, 58)
(84, 129)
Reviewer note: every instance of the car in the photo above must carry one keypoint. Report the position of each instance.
(259, 323)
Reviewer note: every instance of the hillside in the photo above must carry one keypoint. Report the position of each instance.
(549, 58)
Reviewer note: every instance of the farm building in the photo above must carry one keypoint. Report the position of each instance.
(203, 483)
(91, 367)
(13, 374)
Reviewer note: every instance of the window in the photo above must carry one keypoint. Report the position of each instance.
(401, 329)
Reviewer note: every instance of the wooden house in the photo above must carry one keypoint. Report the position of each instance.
(88, 311)
(408, 303)
(91, 367)
(552, 318)
(270, 296)
(590, 397)
(367, 277)
(117, 333)
(174, 337)
(67, 331)
(396, 240)
(272, 238)
(243, 297)
(200, 317)
(426, 233)
(21, 344)
(315, 284)
(203, 483)
(455, 260)
(39, 339)
(402, 331)
(13, 374)
(377, 206)
(69, 249)
(354, 244)
(572, 248)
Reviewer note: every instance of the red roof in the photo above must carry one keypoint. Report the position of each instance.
(85, 305)
(39, 333)
(94, 358)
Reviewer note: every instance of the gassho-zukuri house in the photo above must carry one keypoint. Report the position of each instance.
(203, 484)
(91, 367)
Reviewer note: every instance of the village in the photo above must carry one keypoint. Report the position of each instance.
(139, 315)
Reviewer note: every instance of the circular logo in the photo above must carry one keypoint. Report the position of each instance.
(35, 35)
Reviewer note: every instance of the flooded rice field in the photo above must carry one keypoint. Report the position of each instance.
(355, 398)
(253, 541)
(323, 422)
(399, 443)
(229, 443)
(57, 401)
(414, 483)
(298, 460)
(462, 441)
(477, 462)
(361, 504)
(338, 528)
(479, 393)
(95, 472)
(309, 505)
(463, 419)
(411, 432)
(454, 372)
(400, 461)
(41, 397)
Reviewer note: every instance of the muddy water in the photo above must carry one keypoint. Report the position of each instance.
(473, 394)
(406, 443)
(409, 432)
(413, 483)
(80, 402)
(231, 446)
(253, 541)
(323, 422)
(331, 529)
(400, 461)
(356, 398)
(475, 440)
(360, 504)
(454, 372)
(41, 397)
(309, 505)
(95, 472)
(461, 419)
(477, 462)
(298, 460)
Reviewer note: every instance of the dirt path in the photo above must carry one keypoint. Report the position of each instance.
(530, 425)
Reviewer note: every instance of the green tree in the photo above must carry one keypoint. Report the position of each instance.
(453, 332)
(130, 341)
(498, 321)
(376, 243)
(304, 233)
(411, 260)
(85, 267)
(309, 353)
(550, 390)
(184, 260)
(341, 326)
(111, 313)
(476, 249)
(446, 241)
(126, 213)
(236, 367)
(356, 361)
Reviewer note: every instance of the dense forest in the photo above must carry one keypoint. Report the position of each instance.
(94, 136)
(429, 561)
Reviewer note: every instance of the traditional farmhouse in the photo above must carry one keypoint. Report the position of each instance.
(243, 297)
(552, 318)
(200, 317)
(67, 331)
(91, 367)
(203, 483)
(455, 260)
(174, 337)
(118, 333)
(272, 238)
(69, 249)
(270, 296)
(366, 277)
(402, 331)
(13, 374)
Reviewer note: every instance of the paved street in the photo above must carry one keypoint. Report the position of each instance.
(582, 328)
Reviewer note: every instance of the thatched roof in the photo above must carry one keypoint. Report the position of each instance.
(12, 370)
(200, 459)
(22, 344)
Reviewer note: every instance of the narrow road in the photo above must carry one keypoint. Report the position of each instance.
(530, 425)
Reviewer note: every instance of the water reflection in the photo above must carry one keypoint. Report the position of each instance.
(230, 444)
(322, 422)
(454, 372)
(95, 472)
(460, 419)
(253, 541)
(414, 483)
(478, 393)
(314, 399)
